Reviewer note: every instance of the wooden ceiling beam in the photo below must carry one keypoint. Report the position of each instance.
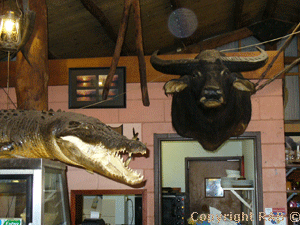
(100, 16)
(226, 38)
(270, 9)
(237, 14)
(218, 41)
(175, 4)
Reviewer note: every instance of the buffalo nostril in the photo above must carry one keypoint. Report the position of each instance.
(209, 91)
(212, 93)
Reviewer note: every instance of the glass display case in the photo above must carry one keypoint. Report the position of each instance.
(33, 191)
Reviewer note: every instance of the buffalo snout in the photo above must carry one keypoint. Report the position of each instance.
(212, 94)
(212, 97)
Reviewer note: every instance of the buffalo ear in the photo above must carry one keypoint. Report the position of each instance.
(244, 85)
(173, 86)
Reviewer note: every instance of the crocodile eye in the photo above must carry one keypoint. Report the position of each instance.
(88, 126)
(74, 124)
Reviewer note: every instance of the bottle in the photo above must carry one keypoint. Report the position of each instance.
(297, 156)
(288, 185)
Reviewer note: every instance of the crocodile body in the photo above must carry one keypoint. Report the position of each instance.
(71, 138)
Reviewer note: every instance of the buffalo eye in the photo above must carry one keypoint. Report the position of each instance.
(225, 72)
(196, 74)
(233, 77)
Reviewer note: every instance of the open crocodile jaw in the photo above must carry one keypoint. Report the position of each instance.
(69, 137)
(107, 162)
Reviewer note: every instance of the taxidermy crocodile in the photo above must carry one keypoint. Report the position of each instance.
(69, 137)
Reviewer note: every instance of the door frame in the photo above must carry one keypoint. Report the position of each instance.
(158, 138)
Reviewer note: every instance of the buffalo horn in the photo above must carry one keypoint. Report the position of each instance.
(187, 66)
(175, 67)
(240, 64)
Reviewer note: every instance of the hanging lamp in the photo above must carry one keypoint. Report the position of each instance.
(10, 31)
(10, 37)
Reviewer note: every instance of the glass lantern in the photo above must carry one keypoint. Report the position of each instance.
(10, 32)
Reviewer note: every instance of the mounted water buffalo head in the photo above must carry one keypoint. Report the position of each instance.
(211, 100)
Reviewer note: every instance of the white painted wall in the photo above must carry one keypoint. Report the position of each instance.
(112, 208)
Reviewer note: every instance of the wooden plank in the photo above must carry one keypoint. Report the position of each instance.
(292, 74)
(292, 127)
(140, 52)
(59, 69)
(270, 9)
(219, 40)
(175, 4)
(237, 14)
(226, 38)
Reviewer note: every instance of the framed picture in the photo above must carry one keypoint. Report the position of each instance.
(213, 188)
(86, 87)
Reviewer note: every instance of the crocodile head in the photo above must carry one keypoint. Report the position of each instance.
(90, 144)
(103, 160)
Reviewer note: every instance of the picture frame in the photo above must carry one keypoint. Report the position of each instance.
(86, 87)
(213, 188)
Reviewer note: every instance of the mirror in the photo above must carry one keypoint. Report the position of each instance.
(112, 206)
(173, 153)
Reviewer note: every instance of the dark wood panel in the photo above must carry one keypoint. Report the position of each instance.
(198, 171)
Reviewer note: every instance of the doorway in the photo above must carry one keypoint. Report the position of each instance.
(171, 151)
(203, 184)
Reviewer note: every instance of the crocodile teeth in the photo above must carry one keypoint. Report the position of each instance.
(128, 161)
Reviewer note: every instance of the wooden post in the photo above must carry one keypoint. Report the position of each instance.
(32, 78)
(140, 51)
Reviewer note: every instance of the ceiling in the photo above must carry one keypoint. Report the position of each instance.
(89, 28)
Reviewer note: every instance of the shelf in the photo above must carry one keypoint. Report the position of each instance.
(292, 165)
(291, 126)
(54, 190)
(292, 209)
(293, 191)
(239, 188)
(233, 191)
